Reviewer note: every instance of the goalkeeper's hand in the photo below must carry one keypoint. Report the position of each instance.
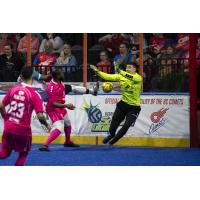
(116, 64)
(94, 68)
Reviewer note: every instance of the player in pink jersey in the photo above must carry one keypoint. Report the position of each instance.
(20, 100)
(56, 107)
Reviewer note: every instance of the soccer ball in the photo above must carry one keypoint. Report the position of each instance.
(107, 87)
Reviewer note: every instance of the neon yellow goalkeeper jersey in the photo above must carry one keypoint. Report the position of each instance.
(130, 85)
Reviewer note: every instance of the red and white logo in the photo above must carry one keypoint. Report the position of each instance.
(158, 120)
(156, 116)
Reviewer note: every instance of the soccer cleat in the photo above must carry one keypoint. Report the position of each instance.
(71, 144)
(44, 148)
(96, 88)
(107, 139)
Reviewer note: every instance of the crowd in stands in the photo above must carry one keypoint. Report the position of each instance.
(165, 56)
(47, 50)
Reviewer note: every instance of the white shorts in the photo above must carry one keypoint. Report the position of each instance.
(60, 124)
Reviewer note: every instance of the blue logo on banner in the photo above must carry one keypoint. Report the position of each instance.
(93, 112)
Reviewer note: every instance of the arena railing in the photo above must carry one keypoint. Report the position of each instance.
(165, 75)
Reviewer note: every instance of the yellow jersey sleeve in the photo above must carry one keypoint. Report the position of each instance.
(109, 77)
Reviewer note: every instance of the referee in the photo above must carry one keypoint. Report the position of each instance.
(128, 107)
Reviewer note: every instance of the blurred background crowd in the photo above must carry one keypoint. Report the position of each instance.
(165, 56)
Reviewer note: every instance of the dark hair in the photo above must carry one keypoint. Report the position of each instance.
(126, 44)
(67, 44)
(134, 64)
(27, 72)
(104, 52)
(55, 71)
(46, 37)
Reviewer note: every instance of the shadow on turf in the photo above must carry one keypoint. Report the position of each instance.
(111, 148)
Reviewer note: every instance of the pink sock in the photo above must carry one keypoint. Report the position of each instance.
(21, 159)
(53, 135)
(67, 134)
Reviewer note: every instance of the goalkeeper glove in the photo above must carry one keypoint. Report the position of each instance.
(116, 64)
(94, 68)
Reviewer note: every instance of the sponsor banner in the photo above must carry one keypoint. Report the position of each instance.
(161, 116)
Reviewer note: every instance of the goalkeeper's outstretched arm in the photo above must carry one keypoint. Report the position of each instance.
(105, 76)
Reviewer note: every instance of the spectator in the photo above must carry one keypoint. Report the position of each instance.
(158, 41)
(134, 42)
(67, 60)
(168, 61)
(170, 72)
(6, 38)
(183, 41)
(111, 42)
(124, 56)
(45, 60)
(157, 44)
(104, 65)
(22, 47)
(148, 72)
(10, 64)
(56, 41)
(185, 60)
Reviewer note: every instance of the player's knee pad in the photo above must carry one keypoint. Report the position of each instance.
(79, 89)
(59, 125)
(67, 121)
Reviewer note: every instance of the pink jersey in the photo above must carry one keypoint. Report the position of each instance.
(21, 99)
(56, 93)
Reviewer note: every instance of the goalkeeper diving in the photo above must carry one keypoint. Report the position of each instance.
(128, 107)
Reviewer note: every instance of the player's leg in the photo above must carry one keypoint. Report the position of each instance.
(84, 90)
(67, 130)
(58, 127)
(21, 159)
(22, 144)
(7, 145)
(130, 119)
(117, 118)
(4, 154)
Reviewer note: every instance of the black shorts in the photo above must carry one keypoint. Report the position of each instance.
(126, 108)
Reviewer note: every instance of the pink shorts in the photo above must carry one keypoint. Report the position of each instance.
(56, 116)
(19, 143)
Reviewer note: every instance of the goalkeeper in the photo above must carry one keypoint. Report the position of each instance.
(128, 107)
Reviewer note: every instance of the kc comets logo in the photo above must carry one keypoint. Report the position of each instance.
(93, 112)
(158, 120)
(99, 122)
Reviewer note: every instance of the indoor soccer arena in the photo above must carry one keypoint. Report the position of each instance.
(108, 99)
